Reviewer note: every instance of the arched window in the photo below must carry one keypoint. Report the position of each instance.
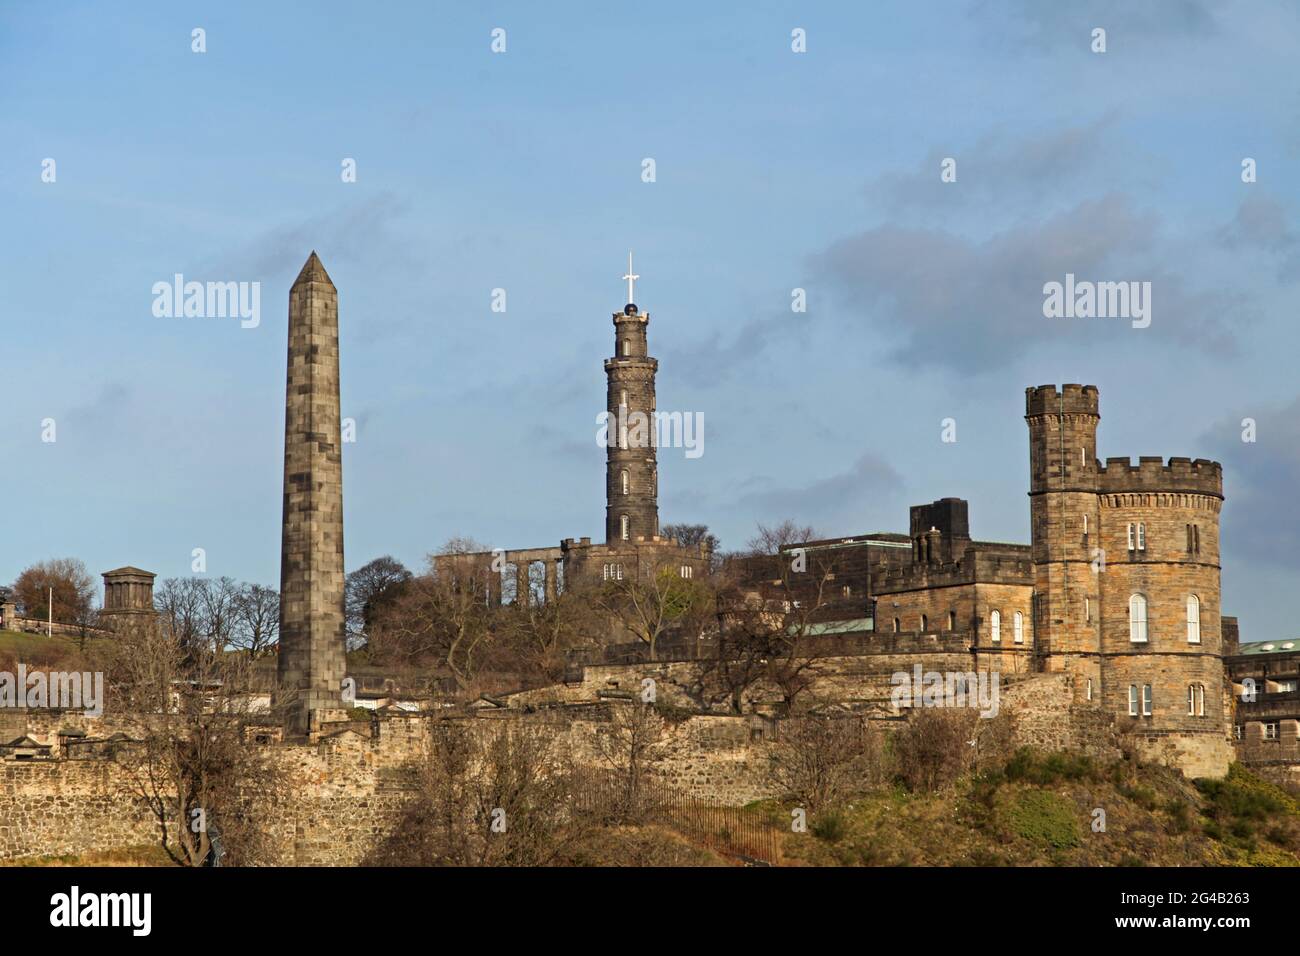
(1137, 619)
(1193, 619)
(1018, 627)
(995, 626)
(897, 625)
(623, 480)
(625, 529)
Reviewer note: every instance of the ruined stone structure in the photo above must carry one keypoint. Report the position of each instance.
(312, 661)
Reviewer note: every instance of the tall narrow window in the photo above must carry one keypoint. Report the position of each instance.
(995, 626)
(1191, 700)
(625, 529)
(1146, 700)
(925, 623)
(952, 620)
(1193, 619)
(1196, 538)
(627, 347)
(623, 480)
(1089, 696)
(1087, 610)
(897, 625)
(1200, 700)
(1018, 627)
(1085, 525)
(1132, 700)
(1132, 536)
(1137, 619)
(1142, 536)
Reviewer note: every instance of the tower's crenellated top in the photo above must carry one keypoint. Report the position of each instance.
(1152, 475)
(1072, 399)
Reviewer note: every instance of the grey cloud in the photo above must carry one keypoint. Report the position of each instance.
(1261, 223)
(827, 500)
(996, 166)
(1055, 24)
(969, 305)
(1259, 480)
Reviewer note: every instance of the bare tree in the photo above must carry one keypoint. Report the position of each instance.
(630, 747)
(440, 617)
(256, 619)
(186, 709)
(648, 606)
(820, 760)
(492, 793)
(181, 601)
(369, 588)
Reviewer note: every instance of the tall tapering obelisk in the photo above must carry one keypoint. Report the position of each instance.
(312, 661)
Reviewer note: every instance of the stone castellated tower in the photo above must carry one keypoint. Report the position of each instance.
(312, 628)
(632, 471)
(1127, 582)
(1065, 539)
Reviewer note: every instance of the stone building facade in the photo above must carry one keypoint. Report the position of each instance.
(1118, 587)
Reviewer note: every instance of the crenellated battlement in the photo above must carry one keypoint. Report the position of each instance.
(1153, 474)
(1072, 399)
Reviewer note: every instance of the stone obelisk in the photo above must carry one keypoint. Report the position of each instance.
(312, 664)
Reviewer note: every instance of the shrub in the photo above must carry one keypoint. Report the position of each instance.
(934, 748)
(1044, 818)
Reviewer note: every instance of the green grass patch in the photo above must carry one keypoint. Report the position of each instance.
(1044, 818)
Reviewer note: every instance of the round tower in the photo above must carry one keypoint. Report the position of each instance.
(1065, 534)
(632, 470)
(1162, 641)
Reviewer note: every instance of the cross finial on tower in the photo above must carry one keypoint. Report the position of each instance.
(631, 280)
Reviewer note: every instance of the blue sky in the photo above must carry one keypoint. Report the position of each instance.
(522, 170)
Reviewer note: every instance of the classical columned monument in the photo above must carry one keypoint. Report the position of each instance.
(312, 659)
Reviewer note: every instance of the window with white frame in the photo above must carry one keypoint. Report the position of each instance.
(1146, 700)
(625, 527)
(995, 626)
(1193, 619)
(623, 480)
(1137, 619)
(1142, 536)
(1018, 627)
(1132, 700)
(1191, 700)
(1132, 536)
(1089, 693)
(1087, 610)
(1270, 731)
(686, 570)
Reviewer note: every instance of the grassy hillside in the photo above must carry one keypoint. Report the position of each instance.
(1039, 811)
